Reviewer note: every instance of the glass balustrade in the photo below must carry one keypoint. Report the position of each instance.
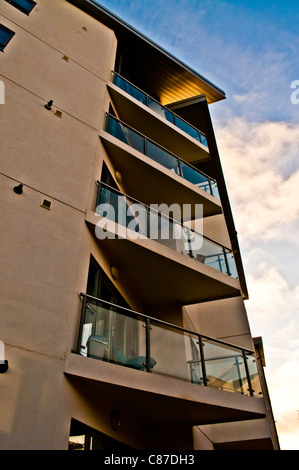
(142, 220)
(121, 336)
(139, 142)
(154, 105)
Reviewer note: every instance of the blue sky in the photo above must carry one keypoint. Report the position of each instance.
(250, 49)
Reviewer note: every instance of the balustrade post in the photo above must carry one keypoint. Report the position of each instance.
(203, 364)
(83, 310)
(148, 345)
(247, 373)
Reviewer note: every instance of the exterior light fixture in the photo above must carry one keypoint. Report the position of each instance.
(3, 362)
(114, 272)
(3, 366)
(118, 176)
(18, 189)
(49, 104)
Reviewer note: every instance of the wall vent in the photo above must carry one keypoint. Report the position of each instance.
(46, 204)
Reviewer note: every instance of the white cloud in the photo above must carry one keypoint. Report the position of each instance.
(260, 162)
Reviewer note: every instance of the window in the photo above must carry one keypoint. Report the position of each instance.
(84, 438)
(5, 36)
(23, 5)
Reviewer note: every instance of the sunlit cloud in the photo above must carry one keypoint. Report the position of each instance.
(261, 165)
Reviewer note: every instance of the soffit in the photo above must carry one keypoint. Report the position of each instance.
(152, 66)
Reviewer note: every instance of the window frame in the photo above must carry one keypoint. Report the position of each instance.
(15, 4)
(12, 33)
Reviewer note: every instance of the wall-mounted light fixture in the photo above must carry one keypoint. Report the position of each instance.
(49, 104)
(18, 189)
(3, 362)
(118, 176)
(3, 366)
(114, 272)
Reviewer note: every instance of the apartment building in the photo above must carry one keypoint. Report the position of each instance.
(123, 323)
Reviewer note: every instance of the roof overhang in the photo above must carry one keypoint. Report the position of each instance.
(168, 77)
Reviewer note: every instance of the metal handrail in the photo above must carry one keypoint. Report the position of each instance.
(170, 325)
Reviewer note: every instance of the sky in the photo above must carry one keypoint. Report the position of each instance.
(250, 49)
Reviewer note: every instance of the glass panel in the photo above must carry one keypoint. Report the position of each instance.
(254, 376)
(126, 135)
(112, 336)
(184, 126)
(231, 264)
(207, 252)
(225, 367)
(171, 350)
(194, 360)
(130, 89)
(161, 156)
(108, 205)
(137, 218)
(203, 139)
(194, 177)
(214, 188)
(159, 109)
(168, 232)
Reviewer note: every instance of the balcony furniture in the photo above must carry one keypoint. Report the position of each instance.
(138, 362)
(96, 346)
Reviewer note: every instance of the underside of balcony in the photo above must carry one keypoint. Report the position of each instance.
(158, 275)
(153, 398)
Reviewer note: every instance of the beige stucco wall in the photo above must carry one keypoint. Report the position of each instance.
(42, 250)
(224, 319)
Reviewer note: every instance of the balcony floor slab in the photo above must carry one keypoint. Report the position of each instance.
(154, 398)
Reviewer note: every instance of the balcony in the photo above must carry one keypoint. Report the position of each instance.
(131, 153)
(130, 339)
(157, 372)
(157, 153)
(148, 222)
(159, 261)
(149, 117)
